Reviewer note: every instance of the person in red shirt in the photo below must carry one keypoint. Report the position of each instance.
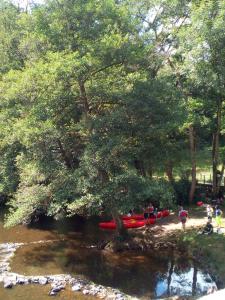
(183, 215)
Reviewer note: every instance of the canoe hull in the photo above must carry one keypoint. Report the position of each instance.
(127, 224)
(134, 221)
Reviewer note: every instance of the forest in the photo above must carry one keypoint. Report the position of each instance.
(108, 104)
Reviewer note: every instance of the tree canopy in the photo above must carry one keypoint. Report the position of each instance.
(100, 97)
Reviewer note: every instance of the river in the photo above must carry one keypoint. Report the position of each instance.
(73, 251)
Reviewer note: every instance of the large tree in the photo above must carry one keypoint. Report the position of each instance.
(97, 97)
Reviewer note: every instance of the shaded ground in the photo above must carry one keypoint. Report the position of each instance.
(164, 233)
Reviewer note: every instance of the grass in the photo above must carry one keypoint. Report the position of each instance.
(209, 250)
(204, 166)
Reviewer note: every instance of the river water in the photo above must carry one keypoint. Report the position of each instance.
(148, 275)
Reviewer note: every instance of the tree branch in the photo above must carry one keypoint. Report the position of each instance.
(103, 69)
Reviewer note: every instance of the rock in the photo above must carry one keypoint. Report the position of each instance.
(110, 297)
(43, 280)
(58, 283)
(102, 294)
(93, 292)
(119, 297)
(10, 277)
(52, 293)
(85, 292)
(94, 289)
(73, 281)
(76, 287)
(34, 279)
(3, 269)
(8, 284)
(58, 288)
(22, 280)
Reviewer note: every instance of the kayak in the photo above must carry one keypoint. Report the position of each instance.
(159, 215)
(150, 221)
(165, 213)
(135, 217)
(127, 224)
(134, 221)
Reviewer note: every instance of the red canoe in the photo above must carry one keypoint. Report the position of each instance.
(127, 224)
(134, 221)
(150, 221)
(165, 213)
(134, 217)
(159, 215)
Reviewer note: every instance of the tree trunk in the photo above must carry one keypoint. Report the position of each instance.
(150, 171)
(192, 144)
(65, 156)
(215, 147)
(170, 277)
(220, 178)
(194, 283)
(169, 171)
(84, 99)
(120, 229)
(139, 165)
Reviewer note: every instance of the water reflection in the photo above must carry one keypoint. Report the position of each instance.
(146, 275)
(189, 282)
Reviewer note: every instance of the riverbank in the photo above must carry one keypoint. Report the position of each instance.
(167, 235)
(208, 250)
(76, 253)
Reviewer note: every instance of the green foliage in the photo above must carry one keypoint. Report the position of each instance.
(97, 95)
(182, 188)
(10, 34)
(124, 192)
(9, 175)
(28, 202)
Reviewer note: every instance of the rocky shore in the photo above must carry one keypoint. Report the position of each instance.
(56, 282)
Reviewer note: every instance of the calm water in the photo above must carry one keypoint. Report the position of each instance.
(143, 275)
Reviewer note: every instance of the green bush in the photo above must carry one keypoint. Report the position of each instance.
(182, 188)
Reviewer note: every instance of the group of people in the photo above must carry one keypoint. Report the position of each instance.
(208, 229)
(217, 212)
(149, 211)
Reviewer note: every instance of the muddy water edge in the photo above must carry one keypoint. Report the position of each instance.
(68, 247)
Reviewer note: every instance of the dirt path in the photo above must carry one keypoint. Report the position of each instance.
(170, 228)
(197, 219)
(172, 222)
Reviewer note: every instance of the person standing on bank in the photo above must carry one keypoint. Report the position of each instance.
(183, 215)
(209, 211)
(218, 215)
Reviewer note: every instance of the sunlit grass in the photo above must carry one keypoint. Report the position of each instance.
(210, 250)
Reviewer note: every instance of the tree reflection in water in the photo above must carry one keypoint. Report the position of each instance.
(184, 279)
